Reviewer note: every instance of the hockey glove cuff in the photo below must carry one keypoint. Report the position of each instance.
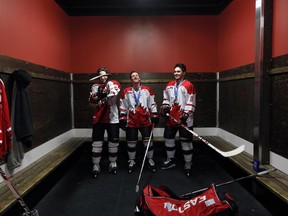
(165, 110)
(154, 118)
(123, 122)
(184, 118)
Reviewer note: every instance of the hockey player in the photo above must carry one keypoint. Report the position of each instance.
(179, 101)
(138, 111)
(103, 97)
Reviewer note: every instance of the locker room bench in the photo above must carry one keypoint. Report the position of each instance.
(275, 181)
(27, 179)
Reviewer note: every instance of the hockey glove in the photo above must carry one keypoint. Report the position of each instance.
(101, 94)
(92, 98)
(165, 110)
(184, 118)
(123, 122)
(154, 118)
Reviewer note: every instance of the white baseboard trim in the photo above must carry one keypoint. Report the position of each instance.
(275, 160)
(279, 162)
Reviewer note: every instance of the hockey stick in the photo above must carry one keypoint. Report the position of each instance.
(27, 210)
(224, 154)
(232, 181)
(148, 144)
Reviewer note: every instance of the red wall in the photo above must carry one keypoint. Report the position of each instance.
(280, 28)
(40, 32)
(36, 31)
(146, 44)
(236, 45)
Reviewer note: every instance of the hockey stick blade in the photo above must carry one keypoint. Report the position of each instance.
(93, 78)
(228, 153)
(223, 153)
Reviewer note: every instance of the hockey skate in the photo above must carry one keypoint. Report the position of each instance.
(96, 171)
(113, 167)
(131, 166)
(151, 165)
(168, 164)
(187, 168)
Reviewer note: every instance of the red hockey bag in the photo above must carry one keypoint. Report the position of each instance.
(163, 202)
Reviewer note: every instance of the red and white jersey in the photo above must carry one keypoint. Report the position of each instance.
(106, 110)
(181, 98)
(5, 123)
(138, 106)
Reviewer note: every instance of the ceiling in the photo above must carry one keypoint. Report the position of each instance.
(142, 7)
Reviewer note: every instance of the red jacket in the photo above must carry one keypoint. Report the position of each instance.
(5, 124)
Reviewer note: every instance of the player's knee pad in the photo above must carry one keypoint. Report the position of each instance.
(131, 144)
(170, 142)
(97, 146)
(145, 142)
(113, 144)
(187, 146)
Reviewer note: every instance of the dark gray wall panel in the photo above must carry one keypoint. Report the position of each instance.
(51, 109)
(279, 114)
(236, 107)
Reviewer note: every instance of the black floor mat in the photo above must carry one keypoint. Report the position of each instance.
(77, 193)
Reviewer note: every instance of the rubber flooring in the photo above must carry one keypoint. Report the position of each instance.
(77, 193)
